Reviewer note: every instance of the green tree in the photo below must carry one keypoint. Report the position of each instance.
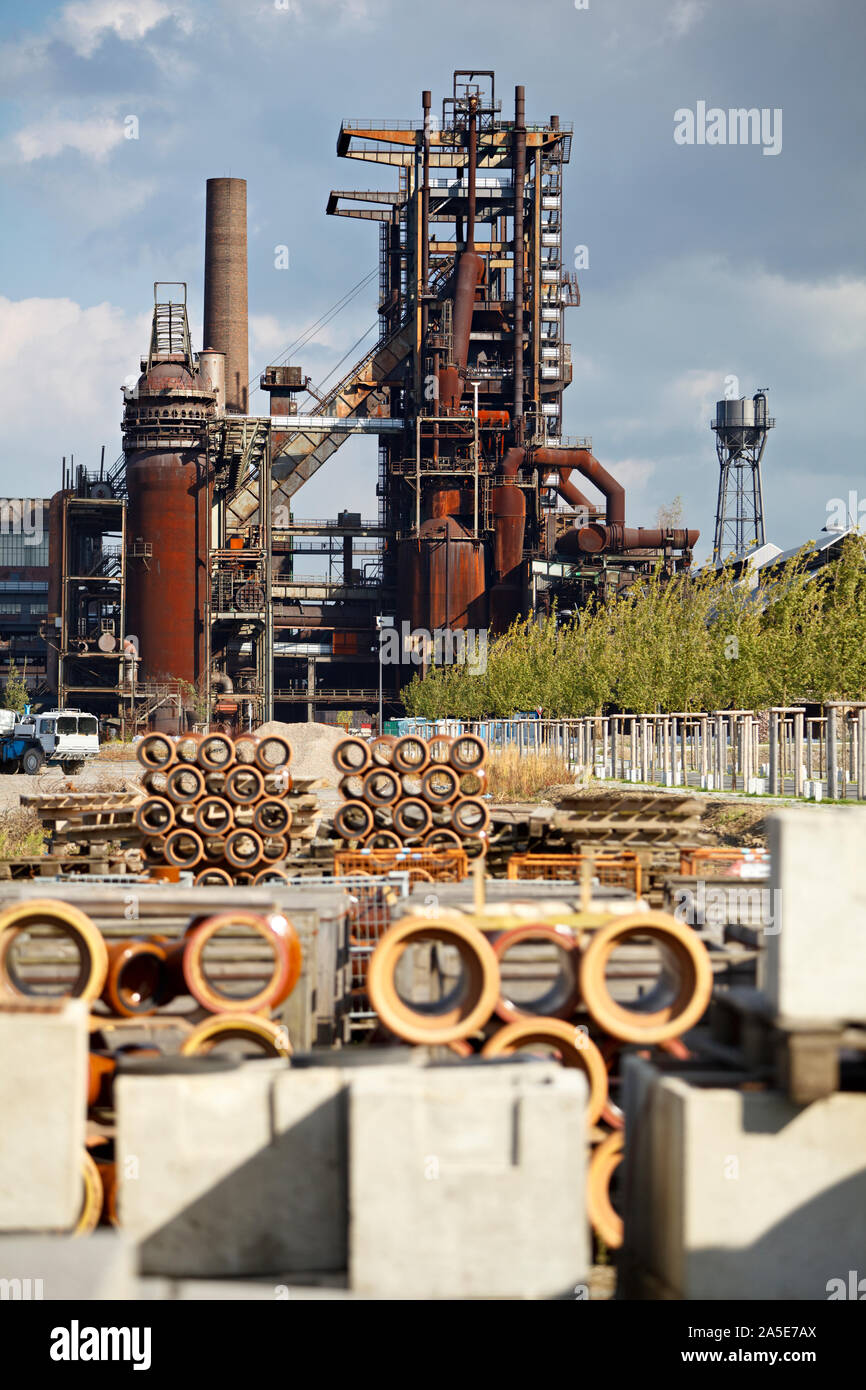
(16, 695)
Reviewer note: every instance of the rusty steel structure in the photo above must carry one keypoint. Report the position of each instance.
(479, 516)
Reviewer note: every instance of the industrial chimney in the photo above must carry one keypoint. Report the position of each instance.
(225, 285)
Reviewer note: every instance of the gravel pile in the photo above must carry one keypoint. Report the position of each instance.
(313, 748)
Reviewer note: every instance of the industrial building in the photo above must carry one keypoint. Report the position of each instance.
(463, 392)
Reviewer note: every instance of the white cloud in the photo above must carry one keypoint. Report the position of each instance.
(684, 15)
(57, 351)
(94, 136)
(86, 24)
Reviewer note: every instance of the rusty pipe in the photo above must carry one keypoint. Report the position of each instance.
(587, 464)
(595, 538)
(569, 493)
(469, 271)
(133, 985)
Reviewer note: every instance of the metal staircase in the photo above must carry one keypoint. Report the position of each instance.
(299, 456)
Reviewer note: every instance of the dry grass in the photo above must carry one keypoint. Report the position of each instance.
(21, 834)
(513, 776)
(116, 752)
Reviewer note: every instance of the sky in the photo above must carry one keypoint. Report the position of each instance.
(706, 261)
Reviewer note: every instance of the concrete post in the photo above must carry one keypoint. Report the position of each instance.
(832, 753)
(774, 752)
(799, 716)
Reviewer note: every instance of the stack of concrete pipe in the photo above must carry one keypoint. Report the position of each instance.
(216, 806)
(414, 793)
(229, 972)
(578, 1020)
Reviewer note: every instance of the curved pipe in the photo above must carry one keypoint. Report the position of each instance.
(587, 464)
(220, 681)
(569, 493)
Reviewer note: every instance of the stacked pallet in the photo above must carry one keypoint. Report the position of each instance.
(409, 795)
(227, 809)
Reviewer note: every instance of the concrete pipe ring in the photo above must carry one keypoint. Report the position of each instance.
(215, 753)
(412, 817)
(467, 753)
(267, 1037)
(440, 785)
(353, 820)
(244, 785)
(605, 1160)
(243, 849)
(185, 784)
(465, 1012)
(272, 817)
(571, 1043)
(213, 816)
(272, 874)
(63, 917)
(183, 849)
(382, 750)
(92, 1198)
(685, 961)
(470, 816)
(186, 748)
(352, 756)
(245, 749)
(156, 752)
(272, 752)
(206, 992)
(381, 787)
(562, 997)
(411, 754)
(440, 748)
(155, 816)
(213, 877)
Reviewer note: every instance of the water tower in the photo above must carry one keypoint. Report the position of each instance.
(741, 428)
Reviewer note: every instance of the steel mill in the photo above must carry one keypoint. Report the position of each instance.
(463, 391)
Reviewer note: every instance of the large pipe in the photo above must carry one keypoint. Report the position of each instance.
(426, 99)
(593, 539)
(519, 151)
(569, 493)
(589, 466)
(225, 284)
(469, 271)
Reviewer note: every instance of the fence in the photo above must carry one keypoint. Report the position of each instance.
(778, 752)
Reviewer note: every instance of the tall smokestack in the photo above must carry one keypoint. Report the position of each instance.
(225, 284)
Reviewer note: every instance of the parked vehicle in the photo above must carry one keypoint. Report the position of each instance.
(64, 737)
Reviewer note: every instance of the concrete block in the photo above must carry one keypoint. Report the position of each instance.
(814, 966)
(35, 1267)
(467, 1181)
(739, 1195)
(239, 1173)
(43, 1108)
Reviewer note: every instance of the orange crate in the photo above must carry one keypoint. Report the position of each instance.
(724, 857)
(619, 870)
(423, 866)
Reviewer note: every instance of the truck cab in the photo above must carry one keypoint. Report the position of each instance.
(66, 737)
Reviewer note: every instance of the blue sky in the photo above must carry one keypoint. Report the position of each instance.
(704, 261)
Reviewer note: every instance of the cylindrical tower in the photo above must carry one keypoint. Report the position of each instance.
(164, 439)
(225, 284)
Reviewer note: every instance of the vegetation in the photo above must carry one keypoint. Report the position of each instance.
(688, 643)
(21, 836)
(513, 776)
(16, 695)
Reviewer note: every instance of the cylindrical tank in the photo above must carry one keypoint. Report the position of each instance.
(441, 579)
(735, 423)
(225, 284)
(212, 374)
(164, 424)
(509, 524)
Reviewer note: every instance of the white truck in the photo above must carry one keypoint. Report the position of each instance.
(67, 737)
